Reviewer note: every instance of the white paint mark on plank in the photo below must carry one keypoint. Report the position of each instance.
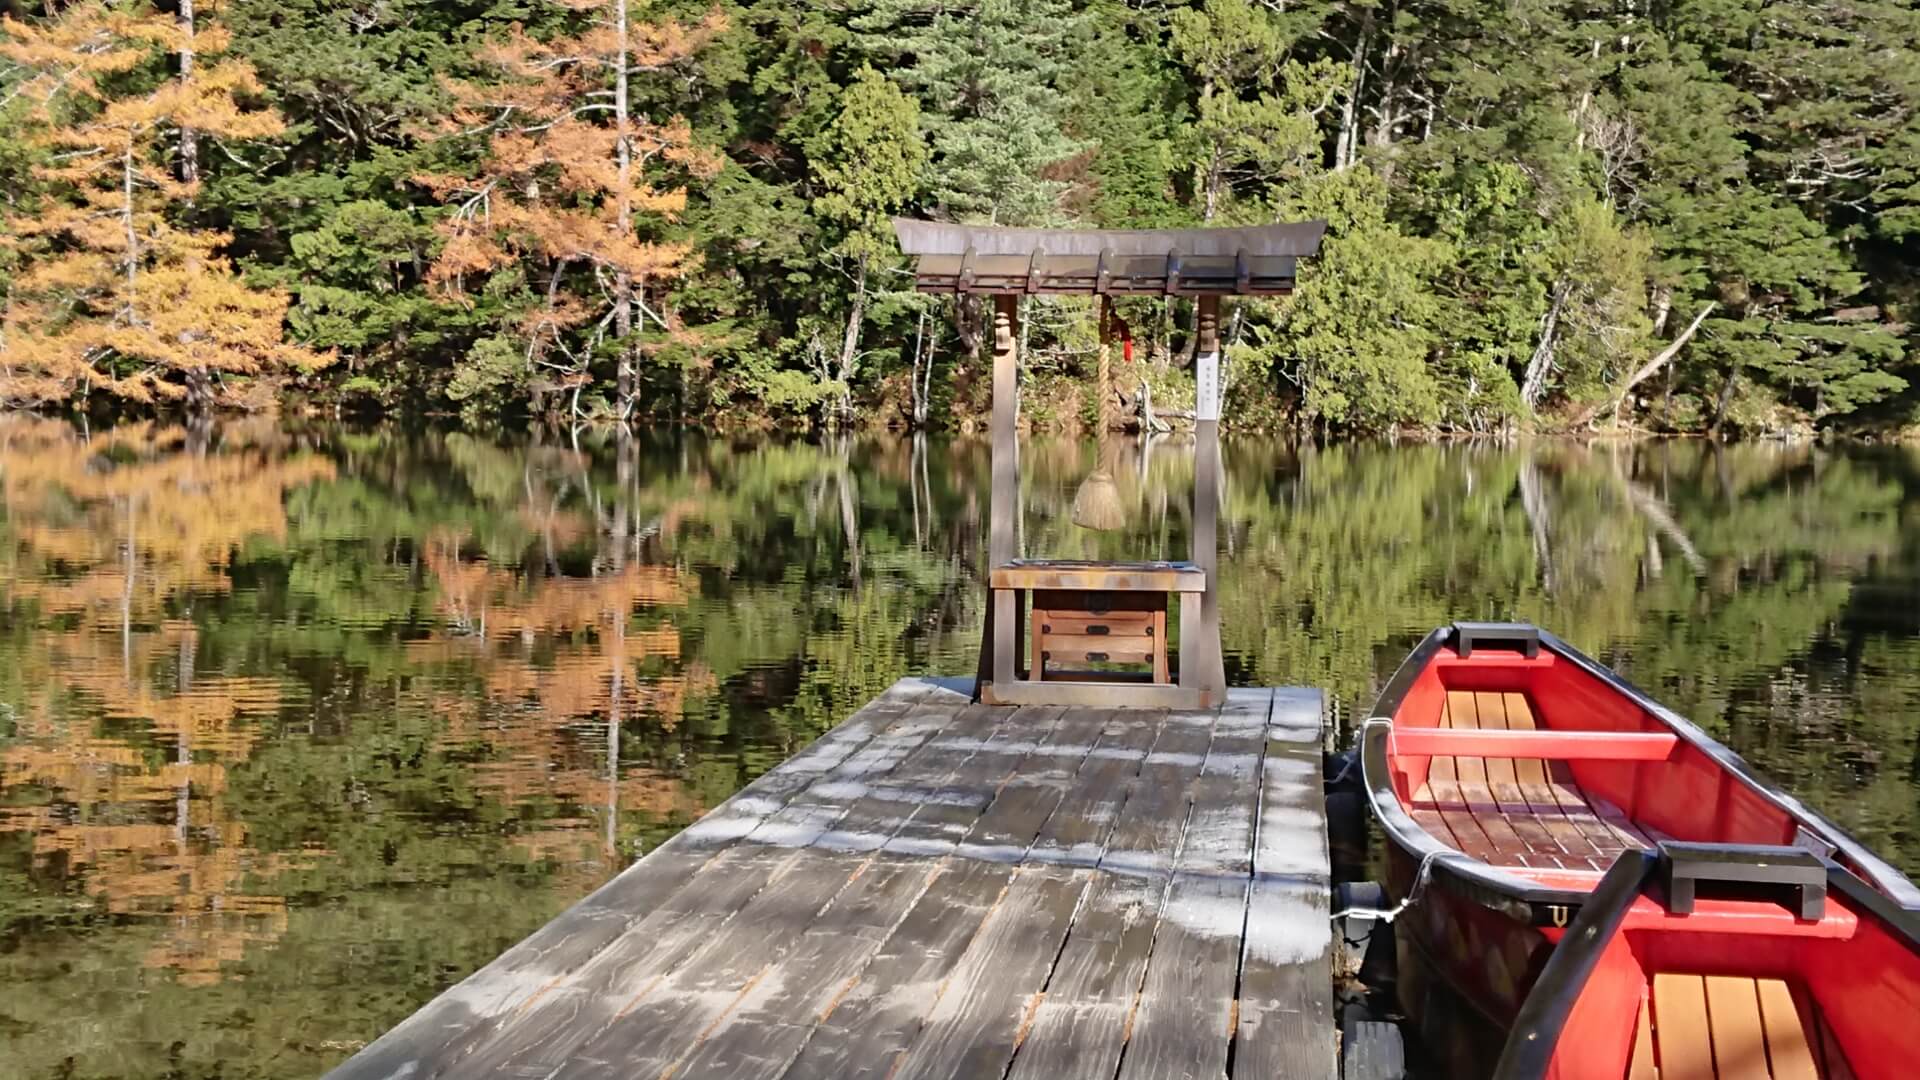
(1287, 922)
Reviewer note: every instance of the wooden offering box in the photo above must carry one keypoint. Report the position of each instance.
(1083, 613)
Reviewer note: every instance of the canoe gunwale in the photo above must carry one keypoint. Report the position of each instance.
(1539, 905)
(1543, 1016)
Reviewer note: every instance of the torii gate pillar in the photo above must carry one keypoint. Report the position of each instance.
(1202, 666)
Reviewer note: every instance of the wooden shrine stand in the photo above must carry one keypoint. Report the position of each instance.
(1076, 612)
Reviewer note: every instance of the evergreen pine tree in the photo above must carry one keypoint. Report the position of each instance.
(988, 75)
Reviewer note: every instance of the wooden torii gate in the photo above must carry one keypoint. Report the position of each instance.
(1104, 611)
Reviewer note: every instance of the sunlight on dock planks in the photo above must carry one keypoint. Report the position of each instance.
(938, 889)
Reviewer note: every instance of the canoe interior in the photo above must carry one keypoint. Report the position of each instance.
(1565, 773)
(1741, 989)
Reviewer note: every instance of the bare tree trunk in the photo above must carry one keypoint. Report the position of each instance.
(1580, 114)
(199, 380)
(183, 745)
(1207, 174)
(1666, 400)
(133, 237)
(850, 345)
(849, 513)
(920, 383)
(1534, 386)
(1150, 421)
(624, 518)
(966, 324)
(199, 394)
(1656, 512)
(1539, 511)
(1659, 361)
(926, 375)
(126, 596)
(1662, 309)
(1724, 402)
(916, 461)
(189, 140)
(628, 378)
(615, 710)
(1211, 186)
(1380, 135)
(1345, 147)
(917, 408)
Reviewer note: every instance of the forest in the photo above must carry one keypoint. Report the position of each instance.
(1697, 216)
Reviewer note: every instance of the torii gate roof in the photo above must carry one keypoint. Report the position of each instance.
(1256, 261)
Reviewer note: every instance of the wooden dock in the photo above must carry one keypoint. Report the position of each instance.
(938, 889)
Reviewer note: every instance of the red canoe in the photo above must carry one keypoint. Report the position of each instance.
(1509, 773)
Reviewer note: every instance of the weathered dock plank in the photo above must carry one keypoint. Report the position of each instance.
(937, 889)
(1285, 993)
(975, 1027)
(766, 1029)
(650, 1038)
(1183, 1023)
(771, 882)
(1081, 1027)
(881, 1016)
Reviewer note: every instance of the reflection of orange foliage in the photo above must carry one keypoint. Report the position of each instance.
(105, 770)
(559, 528)
(205, 713)
(483, 599)
(578, 683)
(123, 748)
(187, 870)
(565, 646)
(680, 510)
(87, 503)
(493, 603)
(110, 528)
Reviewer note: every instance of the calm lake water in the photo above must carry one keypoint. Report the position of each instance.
(301, 724)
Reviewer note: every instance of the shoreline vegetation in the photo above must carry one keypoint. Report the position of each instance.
(1694, 218)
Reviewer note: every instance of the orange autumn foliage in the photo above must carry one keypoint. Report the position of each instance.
(112, 294)
(568, 173)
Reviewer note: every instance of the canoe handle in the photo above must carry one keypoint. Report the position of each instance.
(1746, 867)
(1523, 637)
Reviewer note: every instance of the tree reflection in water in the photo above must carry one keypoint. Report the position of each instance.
(298, 724)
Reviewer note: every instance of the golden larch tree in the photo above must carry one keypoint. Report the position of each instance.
(570, 168)
(112, 295)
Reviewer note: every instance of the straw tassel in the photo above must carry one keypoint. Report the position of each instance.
(1098, 505)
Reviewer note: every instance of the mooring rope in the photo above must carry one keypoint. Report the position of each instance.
(1420, 878)
(1387, 915)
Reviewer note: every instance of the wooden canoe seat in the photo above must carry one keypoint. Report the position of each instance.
(1728, 1027)
(1508, 810)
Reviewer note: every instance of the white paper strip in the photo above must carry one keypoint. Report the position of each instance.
(1206, 389)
